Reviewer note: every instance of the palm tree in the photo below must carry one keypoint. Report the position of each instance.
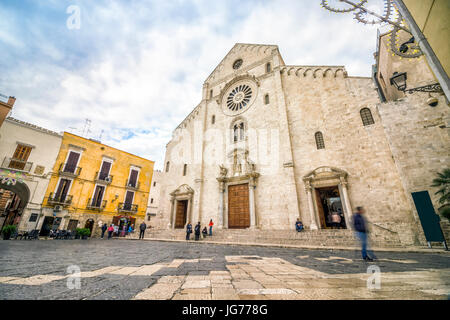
(443, 183)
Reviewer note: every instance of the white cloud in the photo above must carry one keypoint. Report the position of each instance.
(147, 75)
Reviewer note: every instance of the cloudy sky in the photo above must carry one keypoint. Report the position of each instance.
(136, 68)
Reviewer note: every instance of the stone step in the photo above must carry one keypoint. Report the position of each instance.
(288, 237)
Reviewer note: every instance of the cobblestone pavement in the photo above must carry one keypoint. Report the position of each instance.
(116, 269)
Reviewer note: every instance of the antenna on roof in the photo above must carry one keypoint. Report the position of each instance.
(87, 126)
(101, 134)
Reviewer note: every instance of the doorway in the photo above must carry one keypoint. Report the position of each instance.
(238, 207)
(89, 225)
(72, 225)
(329, 202)
(46, 226)
(181, 214)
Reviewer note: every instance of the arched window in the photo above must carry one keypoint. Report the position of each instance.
(167, 166)
(184, 169)
(268, 67)
(319, 140)
(238, 131)
(266, 99)
(241, 131)
(213, 119)
(366, 117)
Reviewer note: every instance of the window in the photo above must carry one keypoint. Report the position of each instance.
(151, 200)
(149, 217)
(33, 217)
(20, 157)
(184, 169)
(319, 140)
(133, 178)
(237, 64)
(268, 67)
(366, 117)
(238, 132)
(167, 166)
(211, 93)
(72, 162)
(154, 184)
(104, 170)
(266, 99)
(239, 98)
(213, 119)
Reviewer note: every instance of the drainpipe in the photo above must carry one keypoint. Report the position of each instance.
(433, 61)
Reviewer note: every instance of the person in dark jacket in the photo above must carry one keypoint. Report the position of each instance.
(359, 224)
(205, 232)
(188, 231)
(104, 228)
(197, 231)
(142, 228)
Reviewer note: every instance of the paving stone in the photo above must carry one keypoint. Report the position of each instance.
(162, 270)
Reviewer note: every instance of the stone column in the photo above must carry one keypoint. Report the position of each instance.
(348, 207)
(251, 200)
(308, 189)
(172, 213)
(220, 222)
(189, 217)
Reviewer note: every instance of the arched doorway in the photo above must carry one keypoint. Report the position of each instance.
(181, 206)
(326, 190)
(14, 187)
(89, 224)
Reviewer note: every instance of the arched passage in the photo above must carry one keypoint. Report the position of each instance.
(14, 182)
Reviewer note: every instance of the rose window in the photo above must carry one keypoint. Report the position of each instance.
(239, 98)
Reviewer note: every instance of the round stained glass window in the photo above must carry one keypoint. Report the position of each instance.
(239, 97)
(237, 64)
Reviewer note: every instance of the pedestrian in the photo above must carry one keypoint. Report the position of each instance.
(204, 232)
(116, 230)
(104, 228)
(298, 225)
(211, 223)
(110, 231)
(359, 224)
(197, 231)
(188, 231)
(336, 219)
(124, 230)
(130, 229)
(142, 228)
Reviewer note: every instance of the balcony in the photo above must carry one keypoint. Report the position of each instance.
(16, 164)
(132, 185)
(103, 179)
(128, 207)
(94, 205)
(69, 170)
(61, 200)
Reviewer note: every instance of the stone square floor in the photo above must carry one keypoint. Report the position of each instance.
(141, 270)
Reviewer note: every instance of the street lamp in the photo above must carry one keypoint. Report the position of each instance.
(399, 81)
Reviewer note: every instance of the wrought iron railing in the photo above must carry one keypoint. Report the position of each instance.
(16, 164)
(105, 178)
(132, 185)
(63, 200)
(96, 205)
(127, 207)
(69, 169)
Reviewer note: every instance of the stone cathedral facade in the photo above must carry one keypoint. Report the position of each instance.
(271, 143)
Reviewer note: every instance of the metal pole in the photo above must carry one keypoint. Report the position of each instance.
(433, 61)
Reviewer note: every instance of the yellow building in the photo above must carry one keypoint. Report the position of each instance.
(92, 184)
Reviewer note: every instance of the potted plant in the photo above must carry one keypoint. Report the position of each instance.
(8, 231)
(445, 212)
(84, 233)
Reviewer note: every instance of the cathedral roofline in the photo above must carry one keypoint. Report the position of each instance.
(252, 45)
